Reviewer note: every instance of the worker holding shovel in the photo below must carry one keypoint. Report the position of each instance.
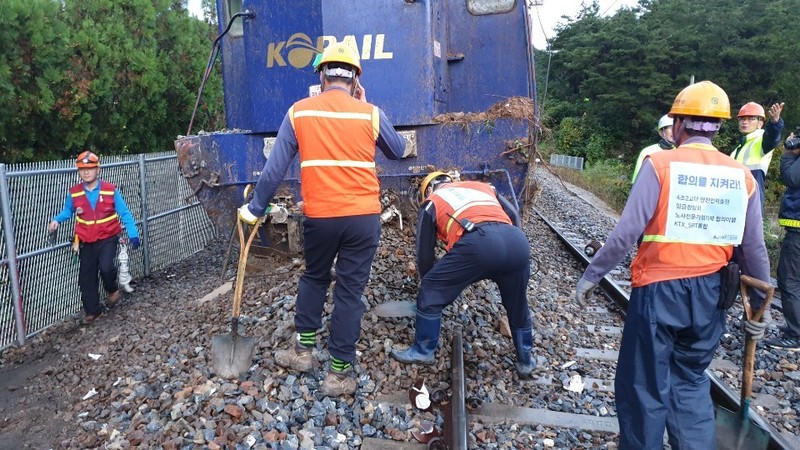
(694, 205)
(98, 208)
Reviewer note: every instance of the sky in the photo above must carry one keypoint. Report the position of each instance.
(549, 13)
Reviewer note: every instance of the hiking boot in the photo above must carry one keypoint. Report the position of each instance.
(90, 319)
(112, 298)
(298, 357)
(337, 384)
(785, 341)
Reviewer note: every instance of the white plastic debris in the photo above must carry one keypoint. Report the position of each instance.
(423, 400)
(89, 394)
(548, 442)
(575, 384)
(119, 379)
(568, 364)
(94, 356)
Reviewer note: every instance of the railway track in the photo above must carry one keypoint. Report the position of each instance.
(155, 387)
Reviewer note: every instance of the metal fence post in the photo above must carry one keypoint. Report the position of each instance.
(13, 269)
(145, 214)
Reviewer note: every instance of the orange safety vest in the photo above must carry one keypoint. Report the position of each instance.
(662, 258)
(336, 137)
(96, 224)
(470, 200)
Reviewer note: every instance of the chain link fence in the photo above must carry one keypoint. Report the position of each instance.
(572, 162)
(39, 278)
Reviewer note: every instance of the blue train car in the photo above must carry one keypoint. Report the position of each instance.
(455, 77)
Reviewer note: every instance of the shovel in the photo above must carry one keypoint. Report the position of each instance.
(736, 430)
(232, 353)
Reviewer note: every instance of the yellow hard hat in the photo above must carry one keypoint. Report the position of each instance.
(703, 99)
(339, 52)
(431, 181)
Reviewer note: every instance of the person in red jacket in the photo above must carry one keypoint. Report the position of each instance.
(482, 235)
(335, 135)
(98, 207)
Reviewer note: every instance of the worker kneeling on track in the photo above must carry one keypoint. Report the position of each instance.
(676, 315)
(483, 240)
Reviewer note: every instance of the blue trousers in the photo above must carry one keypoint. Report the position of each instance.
(94, 257)
(495, 251)
(672, 329)
(352, 241)
(789, 279)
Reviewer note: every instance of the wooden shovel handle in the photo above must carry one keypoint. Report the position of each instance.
(244, 250)
(750, 345)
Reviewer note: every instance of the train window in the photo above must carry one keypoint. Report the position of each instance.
(233, 7)
(483, 7)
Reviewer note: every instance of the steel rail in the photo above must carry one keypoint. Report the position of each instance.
(721, 394)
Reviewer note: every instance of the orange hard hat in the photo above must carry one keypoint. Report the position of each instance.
(87, 160)
(703, 99)
(430, 181)
(751, 109)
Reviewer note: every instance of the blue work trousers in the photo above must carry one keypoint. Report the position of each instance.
(352, 241)
(496, 251)
(94, 257)
(672, 329)
(789, 279)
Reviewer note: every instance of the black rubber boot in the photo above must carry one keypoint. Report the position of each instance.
(523, 343)
(423, 351)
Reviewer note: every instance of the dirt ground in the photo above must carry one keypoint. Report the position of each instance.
(29, 422)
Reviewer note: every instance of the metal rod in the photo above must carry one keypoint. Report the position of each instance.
(145, 227)
(173, 211)
(13, 269)
(458, 400)
(25, 173)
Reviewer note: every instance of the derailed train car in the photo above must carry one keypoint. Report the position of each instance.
(455, 77)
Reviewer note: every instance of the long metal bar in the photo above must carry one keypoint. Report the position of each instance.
(25, 173)
(458, 400)
(173, 211)
(721, 394)
(11, 249)
(145, 227)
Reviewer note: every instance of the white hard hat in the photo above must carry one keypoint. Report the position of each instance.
(664, 121)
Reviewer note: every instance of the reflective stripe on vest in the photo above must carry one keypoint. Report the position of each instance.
(750, 153)
(336, 137)
(684, 253)
(470, 200)
(100, 222)
(791, 223)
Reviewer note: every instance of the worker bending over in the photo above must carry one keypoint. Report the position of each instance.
(481, 233)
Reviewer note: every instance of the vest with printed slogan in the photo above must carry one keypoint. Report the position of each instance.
(700, 215)
(470, 200)
(336, 137)
(100, 222)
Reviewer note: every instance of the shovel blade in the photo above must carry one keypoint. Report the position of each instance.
(735, 433)
(397, 308)
(231, 354)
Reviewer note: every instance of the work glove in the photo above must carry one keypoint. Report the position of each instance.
(755, 329)
(135, 243)
(246, 216)
(582, 291)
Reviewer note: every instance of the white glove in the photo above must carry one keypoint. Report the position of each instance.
(246, 216)
(583, 290)
(755, 329)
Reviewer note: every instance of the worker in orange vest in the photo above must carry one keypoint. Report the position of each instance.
(335, 135)
(694, 204)
(482, 237)
(98, 207)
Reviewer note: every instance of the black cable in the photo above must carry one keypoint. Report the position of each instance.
(211, 60)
